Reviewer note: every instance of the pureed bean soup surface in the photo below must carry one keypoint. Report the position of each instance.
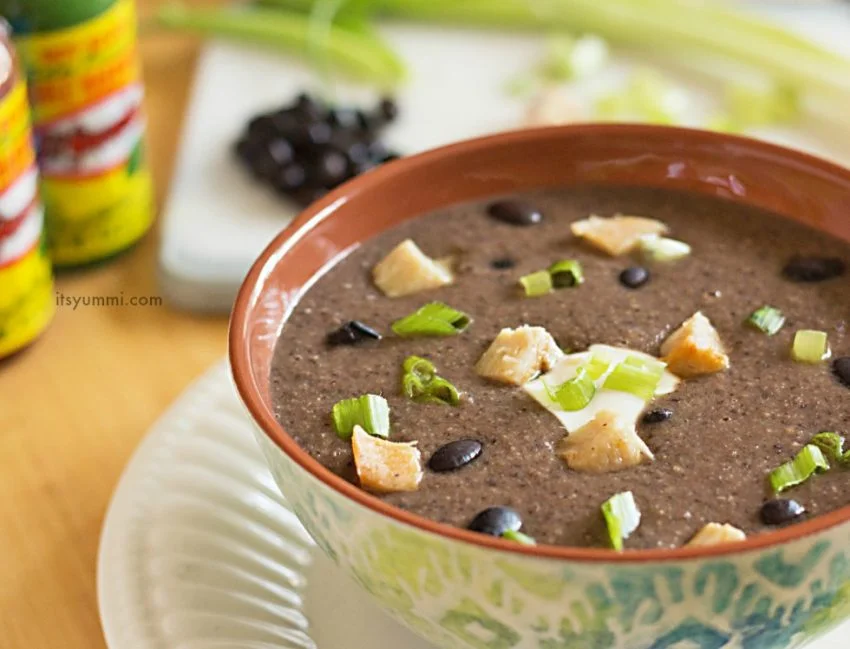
(712, 456)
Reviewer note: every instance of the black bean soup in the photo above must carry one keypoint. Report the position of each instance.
(715, 439)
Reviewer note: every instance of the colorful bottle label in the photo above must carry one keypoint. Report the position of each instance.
(26, 284)
(87, 95)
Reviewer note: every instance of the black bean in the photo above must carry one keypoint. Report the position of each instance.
(454, 455)
(351, 333)
(358, 152)
(309, 195)
(264, 165)
(345, 118)
(290, 178)
(309, 108)
(634, 277)
(245, 150)
(503, 263)
(262, 127)
(280, 150)
(516, 213)
(362, 167)
(286, 124)
(370, 123)
(657, 415)
(318, 133)
(813, 269)
(331, 168)
(495, 521)
(378, 152)
(388, 109)
(841, 369)
(780, 510)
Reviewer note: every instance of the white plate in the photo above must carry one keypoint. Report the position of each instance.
(200, 551)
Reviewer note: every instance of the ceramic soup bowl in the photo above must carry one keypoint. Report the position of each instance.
(463, 590)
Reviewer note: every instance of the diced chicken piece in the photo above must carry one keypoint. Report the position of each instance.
(715, 534)
(605, 444)
(517, 355)
(552, 107)
(406, 269)
(383, 466)
(616, 235)
(694, 349)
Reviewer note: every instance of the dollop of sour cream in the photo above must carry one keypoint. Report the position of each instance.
(628, 406)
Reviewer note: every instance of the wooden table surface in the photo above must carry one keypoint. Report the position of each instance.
(75, 405)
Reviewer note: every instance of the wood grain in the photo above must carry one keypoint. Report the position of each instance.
(74, 406)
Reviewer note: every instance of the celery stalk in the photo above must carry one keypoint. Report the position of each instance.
(660, 25)
(361, 55)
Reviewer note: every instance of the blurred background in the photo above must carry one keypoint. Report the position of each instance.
(249, 113)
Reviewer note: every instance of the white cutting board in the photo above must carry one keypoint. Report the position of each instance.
(217, 220)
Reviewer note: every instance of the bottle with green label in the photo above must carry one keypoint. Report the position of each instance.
(86, 93)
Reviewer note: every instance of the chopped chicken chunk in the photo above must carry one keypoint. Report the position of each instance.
(715, 534)
(606, 443)
(616, 235)
(694, 349)
(384, 466)
(517, 355)
(406, 269)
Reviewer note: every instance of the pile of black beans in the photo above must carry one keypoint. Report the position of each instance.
(307, 148)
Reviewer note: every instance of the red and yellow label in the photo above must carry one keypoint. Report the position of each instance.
(87, 106)
(73, 68)
(16, 151)
(26, 283)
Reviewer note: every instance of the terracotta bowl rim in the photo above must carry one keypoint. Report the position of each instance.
(275, 252)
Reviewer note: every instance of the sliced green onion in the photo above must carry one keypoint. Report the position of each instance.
(569, 58)
(537, 284)
(574, 394)
(518, 537)
(805, 464)
(441, 390)
(370, 411)
(832, 446)
(767, 319)
(434, 319)
(566, 273)
(421, 367)
(810, 346)
(412, 385)
(651, 365)
(420, 383)
(656, 248)
(635, 376)
(596, 367)
(622, 517)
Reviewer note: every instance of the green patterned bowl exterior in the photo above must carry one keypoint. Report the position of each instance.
(460, 596)
(465, 591)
